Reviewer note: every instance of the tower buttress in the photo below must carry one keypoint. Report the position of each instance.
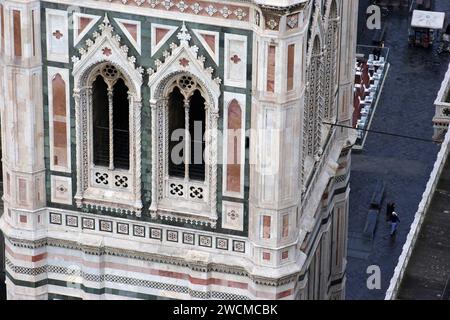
(22, 124)
(276, 104)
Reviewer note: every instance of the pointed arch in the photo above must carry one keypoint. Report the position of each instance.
(59, 109)
(234, 149)
(333, 13)
(191, 182)
(313, 110)
(314, 106)
(59, 121)
(196, 199)
(108, 134)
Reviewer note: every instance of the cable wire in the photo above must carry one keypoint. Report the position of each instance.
(381, 132)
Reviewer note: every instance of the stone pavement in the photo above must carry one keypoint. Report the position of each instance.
(406, 108)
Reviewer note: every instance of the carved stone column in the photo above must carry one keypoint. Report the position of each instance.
(187, 141)
(136, 140)
(77, 96)
(155, 160)
(214, 118)
(111, 127)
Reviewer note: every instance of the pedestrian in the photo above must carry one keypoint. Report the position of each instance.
(394, 223)
(390, 208)
(377, 53)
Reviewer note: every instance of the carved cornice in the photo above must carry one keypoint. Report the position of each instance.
(280, 11)
(272, 15)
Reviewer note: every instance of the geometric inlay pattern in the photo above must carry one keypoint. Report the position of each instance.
(188, 238)
(172, 236)
(123, 228)
(139, 231)
(156, 233)
(120, 280)
(106, 226)
(205, 241)
(88, 223)
(72, 221)
(222, 243)
(55, 218)
(238, 246)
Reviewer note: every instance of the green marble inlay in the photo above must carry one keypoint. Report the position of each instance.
(146, 61)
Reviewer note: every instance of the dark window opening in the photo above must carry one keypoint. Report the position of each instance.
(119, 138)
(176, 134)
(121, 125)
(197, 119)
(100, 109)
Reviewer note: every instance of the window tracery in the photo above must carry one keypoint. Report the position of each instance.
(185, 153)
(331, 61)
(107, 92)
(195, 194)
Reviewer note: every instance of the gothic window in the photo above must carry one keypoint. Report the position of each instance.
(197, 122)
(101, 122)
(108, 103)
(121, 126)
(110, 113)
(331, 62)
(313, 107)
(107, 130)
(186, 116)
(187, 123)
(176, 124)
(184, 176)
(313, 113)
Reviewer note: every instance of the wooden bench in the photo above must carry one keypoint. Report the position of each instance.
(377, 196)
(371, 224)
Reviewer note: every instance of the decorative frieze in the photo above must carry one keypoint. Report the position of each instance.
(164, 234)
(211, 9)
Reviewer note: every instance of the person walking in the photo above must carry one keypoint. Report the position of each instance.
(390, 208)
(394, 223)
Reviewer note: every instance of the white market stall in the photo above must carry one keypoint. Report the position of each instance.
(424, 25)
